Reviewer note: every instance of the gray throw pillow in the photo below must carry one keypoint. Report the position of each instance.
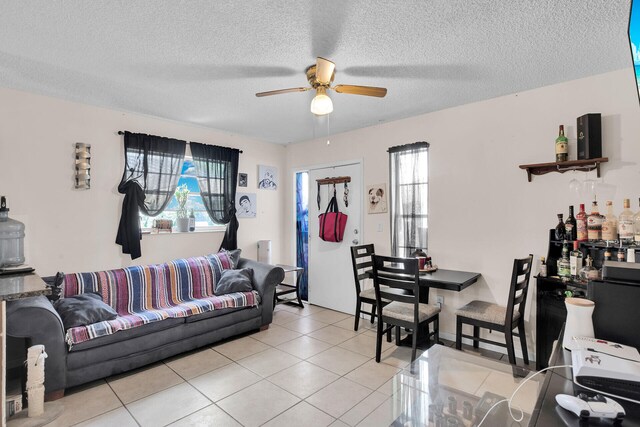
(235, 281)
(234, 255)
(84, 309)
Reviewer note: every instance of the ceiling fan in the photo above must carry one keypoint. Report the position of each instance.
(320, 77)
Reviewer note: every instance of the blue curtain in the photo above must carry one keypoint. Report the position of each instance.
(302, 231)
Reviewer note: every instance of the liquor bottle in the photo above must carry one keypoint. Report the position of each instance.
(543, 268)
(575, 261)
(562, 146)
(610, 224)
(636, 227)
(625, 224)
(594, 223)
(589, 272)
(561, 232)
(631, 255)
(620, 255)
(564, 265)
(607, 253)
(581, 225)
(192, 221)
(570, 226)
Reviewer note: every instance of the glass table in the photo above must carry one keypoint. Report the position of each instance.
(449, 388)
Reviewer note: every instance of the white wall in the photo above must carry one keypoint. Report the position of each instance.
(74, 230)
(483, 212)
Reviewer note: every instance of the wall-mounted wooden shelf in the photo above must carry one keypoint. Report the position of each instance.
(562, 167)
(334, 180)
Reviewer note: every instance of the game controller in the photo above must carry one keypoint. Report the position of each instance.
(591, 407)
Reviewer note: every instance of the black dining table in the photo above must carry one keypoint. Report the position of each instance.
(451, 280)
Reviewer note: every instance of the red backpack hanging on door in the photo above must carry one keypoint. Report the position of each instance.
(332, 222)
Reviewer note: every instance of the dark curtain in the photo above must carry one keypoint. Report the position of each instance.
(408, 177)
(217, 170)
(151, 173)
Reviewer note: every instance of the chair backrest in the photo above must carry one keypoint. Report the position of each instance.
(397, 273)
(519, 287)
(362, 262)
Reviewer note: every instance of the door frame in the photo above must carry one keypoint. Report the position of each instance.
(309, 168)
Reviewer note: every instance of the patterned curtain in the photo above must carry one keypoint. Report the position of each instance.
(151, 173)
(302, 230)
(217, 170)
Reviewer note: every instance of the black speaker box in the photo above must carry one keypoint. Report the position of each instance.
(589, 136)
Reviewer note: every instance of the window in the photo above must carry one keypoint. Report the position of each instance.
(409, 186)
(189, 178)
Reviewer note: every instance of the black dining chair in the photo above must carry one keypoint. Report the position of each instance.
(362, 269)
(482, 314)
(390, 275)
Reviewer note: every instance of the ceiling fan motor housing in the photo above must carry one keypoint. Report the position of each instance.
(311, 77)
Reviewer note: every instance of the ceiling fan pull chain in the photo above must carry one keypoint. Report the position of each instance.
(318, 198)
(346, 195)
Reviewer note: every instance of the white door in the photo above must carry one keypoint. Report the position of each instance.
(330, 271)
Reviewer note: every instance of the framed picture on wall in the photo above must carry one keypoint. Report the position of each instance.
(242, 180)
(376, 198)
(246, 205)
(267, 177)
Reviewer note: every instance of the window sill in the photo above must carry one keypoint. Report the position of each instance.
(219, 229)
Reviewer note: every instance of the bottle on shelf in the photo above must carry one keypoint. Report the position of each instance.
(625, 224)
(564, 265)
(636, 227)
(607, 253)
(562, 146)
(192, 221)
(610, 224)
(631, 255)
(589, 272)
(561, 231)
(620, 255)
(581, 225)
(575, 261)
(543, 267)
(594, 223)
(570, 226)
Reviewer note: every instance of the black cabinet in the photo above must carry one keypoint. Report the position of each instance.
(551, 313)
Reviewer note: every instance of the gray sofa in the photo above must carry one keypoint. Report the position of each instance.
(36, 320)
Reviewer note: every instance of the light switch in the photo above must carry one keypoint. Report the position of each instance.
(379, 227)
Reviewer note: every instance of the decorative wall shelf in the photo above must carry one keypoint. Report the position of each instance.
(334, 180)
(562, 167)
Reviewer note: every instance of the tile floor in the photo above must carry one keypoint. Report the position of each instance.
(309, 368)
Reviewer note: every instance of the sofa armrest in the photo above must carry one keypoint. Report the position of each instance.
(36, 320)
(265, 279)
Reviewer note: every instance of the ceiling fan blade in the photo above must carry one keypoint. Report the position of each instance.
(324, 70)
(380, 92)
(279, 91)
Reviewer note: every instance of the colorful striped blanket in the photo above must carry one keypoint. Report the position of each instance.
(150, 293)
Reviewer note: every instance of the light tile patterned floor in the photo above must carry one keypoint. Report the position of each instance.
(309, 368)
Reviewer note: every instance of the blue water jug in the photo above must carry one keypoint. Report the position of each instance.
(11, 238)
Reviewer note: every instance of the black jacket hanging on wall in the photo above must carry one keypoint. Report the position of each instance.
(151, 173)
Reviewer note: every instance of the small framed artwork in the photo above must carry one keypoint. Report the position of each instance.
(242, 180)
(377, 198)
(246, 205)
(267, 177)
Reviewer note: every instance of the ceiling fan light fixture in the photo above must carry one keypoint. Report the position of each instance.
(321, 103)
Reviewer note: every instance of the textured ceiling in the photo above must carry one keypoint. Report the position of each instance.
(202, 61)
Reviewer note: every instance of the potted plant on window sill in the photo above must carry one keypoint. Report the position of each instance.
(182, 195)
